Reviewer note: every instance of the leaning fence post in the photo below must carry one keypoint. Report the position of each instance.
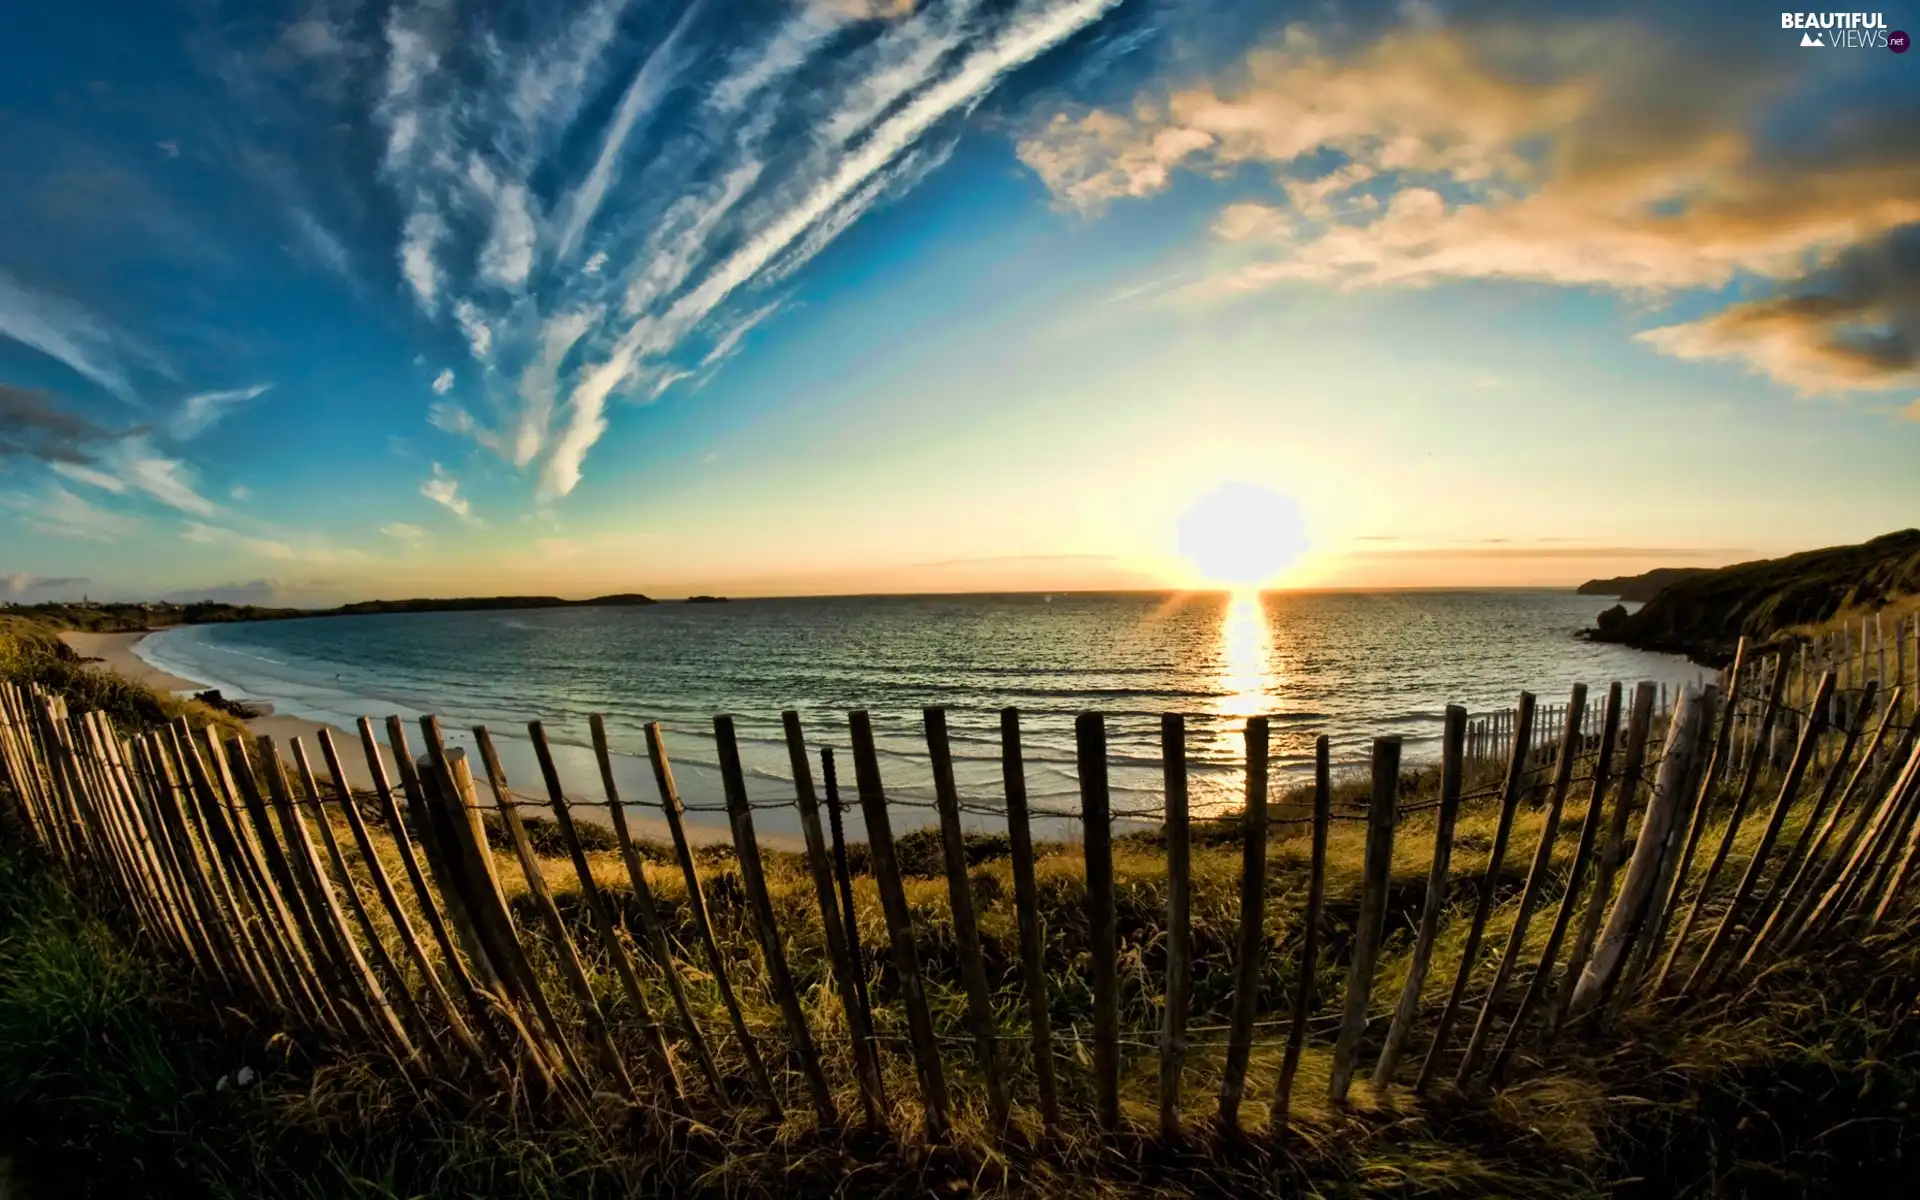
(1090, 742)
(1371, 928)
(843, 877)
(651, 926)
(1813, 894)
(1656, 833)
(674, 811)
(1310, 936)
(1530, 891)
(760, 906)
(1026, 899)
(1483, 906)
(1576, 873)
(1702, 815)
(1432, 907)
(1704, 971)
(1901, 876)
(1173, 1024)
(390, 901)
(866, 1063)
(893, 903)
(565, 953)
(966, 930)
(1251, 939)
(1610, 855)
(1775, 904)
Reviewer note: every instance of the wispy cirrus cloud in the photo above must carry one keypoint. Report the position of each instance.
(585, 263)
(214, 535)
(203, 410)
(65, 331)
(57, 512)
(131, 465)
(443, 489)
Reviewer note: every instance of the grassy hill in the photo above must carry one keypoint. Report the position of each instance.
(32, 652)
(1705, 616)
(1643, 587)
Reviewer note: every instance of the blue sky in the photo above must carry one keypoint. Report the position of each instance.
(342, 298)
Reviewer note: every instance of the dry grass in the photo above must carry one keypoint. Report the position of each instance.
(1596, 1109)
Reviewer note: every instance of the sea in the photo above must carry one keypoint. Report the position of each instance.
(1352, 666)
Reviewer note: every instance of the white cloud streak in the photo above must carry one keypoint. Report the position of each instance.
(214, 535)
(57, 512)
(444, 490)
(650, 83)
(63, 330)
(770, 153)
(199, 413)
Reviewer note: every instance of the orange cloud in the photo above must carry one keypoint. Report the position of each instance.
(1573, 154)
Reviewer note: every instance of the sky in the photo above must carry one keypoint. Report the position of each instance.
(344, 299)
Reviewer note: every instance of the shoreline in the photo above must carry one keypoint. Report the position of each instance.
(114, 653)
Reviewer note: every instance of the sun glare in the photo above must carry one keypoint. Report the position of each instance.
(1241, 535)
(1246, 664)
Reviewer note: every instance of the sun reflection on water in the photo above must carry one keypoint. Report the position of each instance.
(1246, 667)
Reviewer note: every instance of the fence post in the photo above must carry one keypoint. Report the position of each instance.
(390, 902)
(1483, 906)
(893, 902)
(1432, 907)
(1576, 873)
(1814, 902)
(1775, 903)
(1703, 971)
(1173, 1024)
(1702, 814)
(1371, 929)
(760, 906)
(563, 945)
(1654, 924)
(451, 793)
(1898, 880)
(1310, 938)
(1251, 939)
(866, 1063)
(651, 926)
(966, 930)
(1530, 891)
(843, 877)
(1623, 923)
(1026, 898)
(362, 986)
(1090, 744)
(674, 811)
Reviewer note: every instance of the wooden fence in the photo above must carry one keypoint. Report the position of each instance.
(254, 865)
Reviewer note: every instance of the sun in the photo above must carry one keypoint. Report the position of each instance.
(1241, 535)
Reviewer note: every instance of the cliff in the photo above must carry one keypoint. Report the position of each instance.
(1705, 615)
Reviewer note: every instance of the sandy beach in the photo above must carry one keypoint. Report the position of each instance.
(115, 653)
